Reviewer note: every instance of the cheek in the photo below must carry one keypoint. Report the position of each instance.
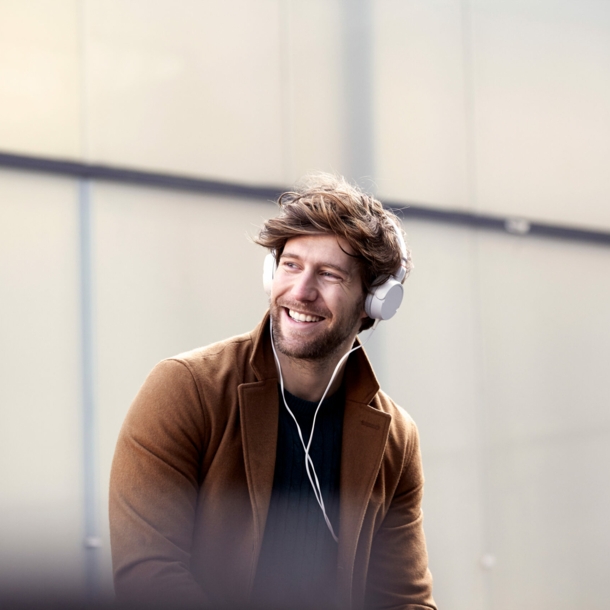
(278, 288)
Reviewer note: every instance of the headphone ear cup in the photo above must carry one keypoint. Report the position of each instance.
(383, 301)
(269, 267)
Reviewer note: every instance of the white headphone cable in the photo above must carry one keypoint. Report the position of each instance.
(308, 461)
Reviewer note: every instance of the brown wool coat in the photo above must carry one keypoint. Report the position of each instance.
(193, 471)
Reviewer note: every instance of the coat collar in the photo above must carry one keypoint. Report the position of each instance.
(261, 360)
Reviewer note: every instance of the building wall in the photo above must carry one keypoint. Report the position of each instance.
(501, 348)
(40, 416)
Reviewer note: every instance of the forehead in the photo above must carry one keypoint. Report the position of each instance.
(321, 249)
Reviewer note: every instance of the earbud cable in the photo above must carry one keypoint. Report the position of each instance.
(309, 467)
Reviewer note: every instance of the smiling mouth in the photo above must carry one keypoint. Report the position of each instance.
(303, 317)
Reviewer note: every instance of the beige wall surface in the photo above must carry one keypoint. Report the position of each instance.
(238, 90)
(500, 107)
(542, 117)
(494, 106)
(314, 106)
(192, 89)
(421, 129)
(41, 503)
(544, 316)
(431, 367)
(40, 77)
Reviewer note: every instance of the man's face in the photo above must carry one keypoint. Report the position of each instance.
(317, 302)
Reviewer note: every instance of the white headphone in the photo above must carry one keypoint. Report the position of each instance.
(382, 302)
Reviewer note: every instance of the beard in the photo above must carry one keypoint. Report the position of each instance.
(323, 345)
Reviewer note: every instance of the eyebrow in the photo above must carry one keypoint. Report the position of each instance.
(331, 265)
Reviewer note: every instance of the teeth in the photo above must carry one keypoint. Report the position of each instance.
(302, 317)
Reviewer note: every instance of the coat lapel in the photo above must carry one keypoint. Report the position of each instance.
(258, 406)
(258, 409)
(365, 433)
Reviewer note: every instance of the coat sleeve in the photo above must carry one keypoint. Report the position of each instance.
(154, 486)
(398, 576)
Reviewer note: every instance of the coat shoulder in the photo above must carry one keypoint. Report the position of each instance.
(401, 420)
(403, 435)
(227, 358)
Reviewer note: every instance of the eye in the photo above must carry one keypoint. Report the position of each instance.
(331, 276)
(288, 265)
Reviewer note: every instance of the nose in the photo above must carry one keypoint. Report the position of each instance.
(304, 287)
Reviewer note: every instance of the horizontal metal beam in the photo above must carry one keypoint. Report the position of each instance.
(516, 225)
(75, 169)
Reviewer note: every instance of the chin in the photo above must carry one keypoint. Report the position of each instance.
(325, 344)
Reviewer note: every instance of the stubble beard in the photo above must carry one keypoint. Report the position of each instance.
(318, 348)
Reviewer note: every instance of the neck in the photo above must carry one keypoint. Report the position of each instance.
(308, 379)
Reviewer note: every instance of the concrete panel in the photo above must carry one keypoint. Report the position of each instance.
(545, 307)
(313, 79)
(173, 272)
(427, 361)
(542, 107)
(191, 88)
(40, 77)
(550, 503)
(41, 525)
(546, 357)
(453, 520)
(419, 93)
(429, 365)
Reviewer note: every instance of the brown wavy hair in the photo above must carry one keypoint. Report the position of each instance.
(324, 203)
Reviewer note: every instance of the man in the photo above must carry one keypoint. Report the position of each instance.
(269, 470)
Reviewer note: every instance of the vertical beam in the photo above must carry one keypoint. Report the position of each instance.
(358, 74)
(91, 536)
(359, 139)
(92, 541)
